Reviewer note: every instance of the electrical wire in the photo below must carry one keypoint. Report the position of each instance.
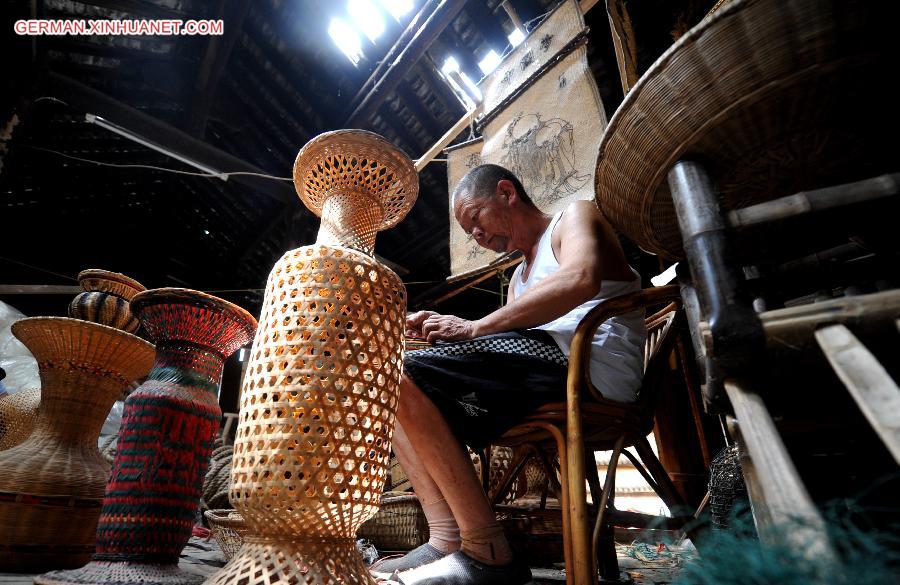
(50, 98)
(164, 169)
(38, 268)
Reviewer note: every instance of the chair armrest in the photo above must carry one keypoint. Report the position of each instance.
(580, 350)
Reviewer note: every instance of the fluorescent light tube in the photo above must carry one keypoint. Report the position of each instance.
(116, 129)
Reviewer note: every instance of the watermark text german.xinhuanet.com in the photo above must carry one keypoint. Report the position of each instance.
(164, 27)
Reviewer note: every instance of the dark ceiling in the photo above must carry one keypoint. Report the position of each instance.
(243, 101)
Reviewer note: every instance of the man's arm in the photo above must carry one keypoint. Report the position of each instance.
(588, 253)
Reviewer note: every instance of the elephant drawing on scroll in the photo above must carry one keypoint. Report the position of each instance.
(542, 154)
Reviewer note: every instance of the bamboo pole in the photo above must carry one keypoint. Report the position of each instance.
(444, 140)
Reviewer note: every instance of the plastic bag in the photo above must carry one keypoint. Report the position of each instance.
(15, 359)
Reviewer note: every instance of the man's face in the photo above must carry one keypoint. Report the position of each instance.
(487, 220)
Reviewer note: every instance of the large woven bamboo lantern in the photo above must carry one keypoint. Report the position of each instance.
(320, 393)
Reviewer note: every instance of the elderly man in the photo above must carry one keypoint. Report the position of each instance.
(483, 376)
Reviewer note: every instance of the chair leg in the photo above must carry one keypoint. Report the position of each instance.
(667, 490)
(641, 469)
(557, 434)
(484, 455)
(603, 542)
(521, 456)
(593, 477)
(585, 570)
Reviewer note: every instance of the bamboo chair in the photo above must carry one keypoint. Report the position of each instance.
(587, 422)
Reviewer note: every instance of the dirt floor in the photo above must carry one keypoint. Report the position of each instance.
(646, 564)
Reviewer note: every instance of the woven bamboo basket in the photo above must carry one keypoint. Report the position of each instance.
(533, 533)
(228, 529)
(773, 97)
(321, 389)
(106, 299)
(399, 525)
(51, 484)
(95, 279)
(18, 414)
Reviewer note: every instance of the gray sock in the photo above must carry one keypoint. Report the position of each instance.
(417, 557)
(460, 569)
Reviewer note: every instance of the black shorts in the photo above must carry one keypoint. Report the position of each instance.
(484, 386)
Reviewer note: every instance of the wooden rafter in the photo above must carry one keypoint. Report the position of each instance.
(215, 56)
(424, 13)
(429, 31)
(141, 8)
(624, 42)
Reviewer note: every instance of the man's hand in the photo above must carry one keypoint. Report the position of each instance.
(447, 328)
(414, 323)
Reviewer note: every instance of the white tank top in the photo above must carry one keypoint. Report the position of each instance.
(617, 356)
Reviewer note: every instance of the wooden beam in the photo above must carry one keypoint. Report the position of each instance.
(272, 65)
(141, 8)
(412, 103)
(442, 16)
(305, 70)
(448, 137)
(449, 44)
(792, 329)
(215, 57)
(876, 394)
(586, 5)
(624, 42)
(818, 200)
(488, 25)
(71, 44)
(781, 504)
(405, 37)
(89, 100)
(39, 289)
(277, 106)
(436, 84)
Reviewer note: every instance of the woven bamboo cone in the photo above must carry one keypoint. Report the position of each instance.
(51, 485)
(320, 393)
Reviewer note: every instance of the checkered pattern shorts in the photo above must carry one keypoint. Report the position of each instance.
(485, 386)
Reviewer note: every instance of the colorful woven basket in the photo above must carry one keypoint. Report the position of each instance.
(168, 428)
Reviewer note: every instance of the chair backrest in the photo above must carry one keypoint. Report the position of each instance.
(657, 348)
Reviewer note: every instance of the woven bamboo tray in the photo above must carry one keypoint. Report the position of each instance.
(772, 97)
(228, 528)
(399, 525)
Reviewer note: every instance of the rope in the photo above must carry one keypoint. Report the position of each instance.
(218, 478)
